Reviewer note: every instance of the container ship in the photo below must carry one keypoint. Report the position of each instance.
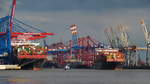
(109, 58)
(28, 54)
(19, 49)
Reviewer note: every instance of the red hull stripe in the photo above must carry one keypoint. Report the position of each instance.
(32, 56)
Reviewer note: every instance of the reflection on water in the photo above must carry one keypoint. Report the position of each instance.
(18, 81)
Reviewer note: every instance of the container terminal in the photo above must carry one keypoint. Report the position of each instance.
(87, 52)
(19, 49)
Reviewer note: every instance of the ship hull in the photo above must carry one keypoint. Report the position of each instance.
(108, 65)
(136, 67)
(31, 63)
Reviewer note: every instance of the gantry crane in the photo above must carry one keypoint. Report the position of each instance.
(119, 38)
(6, 24)
(147, 39)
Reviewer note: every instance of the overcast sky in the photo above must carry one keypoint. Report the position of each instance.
(91, 16)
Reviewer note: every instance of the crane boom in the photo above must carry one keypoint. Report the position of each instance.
(12, 14)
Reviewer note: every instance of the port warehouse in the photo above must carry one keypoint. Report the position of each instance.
(19, 50)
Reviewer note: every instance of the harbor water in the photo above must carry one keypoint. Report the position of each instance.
(74, 76)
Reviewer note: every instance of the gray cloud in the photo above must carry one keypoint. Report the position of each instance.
(4, 7)
(92, 24)
(94, 5)
(91, 16)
